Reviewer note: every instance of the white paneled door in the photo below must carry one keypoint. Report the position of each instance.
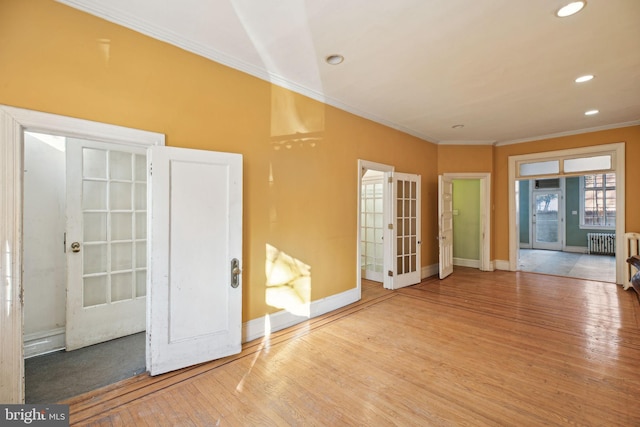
(406, 245)
(195, 297)
(445, 226)
(105, 241)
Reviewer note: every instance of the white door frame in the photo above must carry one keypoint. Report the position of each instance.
(363, 166)
(618, 165)
(13, 123)
(485, 214)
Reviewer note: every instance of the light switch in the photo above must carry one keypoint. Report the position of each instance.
(455, 212)
(574, 212)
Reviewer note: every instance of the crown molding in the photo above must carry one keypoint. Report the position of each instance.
(569, 133)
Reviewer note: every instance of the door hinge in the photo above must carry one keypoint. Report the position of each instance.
(64, 243)
(390, 273)
(390, 226)
(150, 169)
(390, 180)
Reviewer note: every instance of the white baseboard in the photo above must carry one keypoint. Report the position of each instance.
(501, 264)
(258, 328)
(462, 262)
(39, 343)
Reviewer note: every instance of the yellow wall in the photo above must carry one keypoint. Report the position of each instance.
(299, 196)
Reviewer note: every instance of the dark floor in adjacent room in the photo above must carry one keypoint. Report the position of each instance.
(60, 375)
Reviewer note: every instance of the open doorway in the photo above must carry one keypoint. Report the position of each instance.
(569, 164)
(567, 226)
(93, 193)
(373, 213)
(471, 219)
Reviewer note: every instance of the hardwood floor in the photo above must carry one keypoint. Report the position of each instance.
(477, 348)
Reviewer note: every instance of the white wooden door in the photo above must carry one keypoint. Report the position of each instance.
(105, 241)
(406, 245)
(445, 226)
(195, 302)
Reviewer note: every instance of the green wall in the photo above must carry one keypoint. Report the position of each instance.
(524, 211)
(466, 224)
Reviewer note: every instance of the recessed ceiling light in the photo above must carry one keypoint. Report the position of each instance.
(584, 78)
(334, 59)
(570, 9)
(591, 112)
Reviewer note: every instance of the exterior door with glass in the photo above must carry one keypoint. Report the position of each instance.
(546, 219)
(105, 241)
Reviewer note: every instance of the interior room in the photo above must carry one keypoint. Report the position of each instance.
(320, 212)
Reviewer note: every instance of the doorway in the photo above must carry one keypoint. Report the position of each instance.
(598, 159)
(373, 212)
(471, 220)
(95, 193)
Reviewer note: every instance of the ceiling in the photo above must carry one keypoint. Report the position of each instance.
(504, 69)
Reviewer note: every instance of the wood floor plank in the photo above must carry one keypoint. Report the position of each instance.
(474, 349)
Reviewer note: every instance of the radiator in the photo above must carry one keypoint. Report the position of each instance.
(601, 243)
(631, 247)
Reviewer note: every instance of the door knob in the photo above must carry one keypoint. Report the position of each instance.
(75, 247)
(235, 273)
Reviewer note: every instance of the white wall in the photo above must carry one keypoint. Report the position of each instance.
(44, 258)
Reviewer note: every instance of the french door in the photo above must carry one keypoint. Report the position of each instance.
(406, 230)
(105, 241)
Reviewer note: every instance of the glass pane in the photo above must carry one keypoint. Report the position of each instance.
(94, 259)
(399, 246)
(413, 263)
(414, 212)
(587, 164)
(407, 265)
(400, 228)
(540, 168)
(407, 249)
(368, 205)
(94, 195)
(400, 190)
(94, 291)
(378, 221)
(120, 196)
(399, 268)
(399, 205)
(121, 286)
(378, 236)
(141, 255)
(121, 256)
(120, 165)
(141, 283)
(371, 248)
(370, 220)
(94, 226)
(121, 226)
(141, 197)
(378, 205)
(141, 167)
(94, 163)
(370, 235)
(413, 189)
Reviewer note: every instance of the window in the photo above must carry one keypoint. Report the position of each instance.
(598, 201)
